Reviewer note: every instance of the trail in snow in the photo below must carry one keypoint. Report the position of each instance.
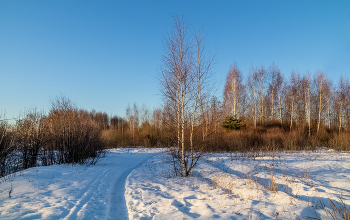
(118, 206)
(72, 192)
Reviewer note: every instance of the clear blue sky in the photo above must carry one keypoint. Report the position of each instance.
(106, 54)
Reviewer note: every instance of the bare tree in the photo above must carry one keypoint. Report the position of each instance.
(7, 147)
(133, 118)
(233, 90)
(329, 104)
(307, 97)
(323, 89)
(157, 122)
(262, 79)
(272, 90)
(145, 114)
(30, 137)
(185, 72)
(135, 122)
(341, 99)
(293, 95)
(114, 122)
(253, 86)
(73, 136)
(274, 94)
(279, 86)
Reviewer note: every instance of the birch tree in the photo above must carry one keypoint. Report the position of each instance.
(342, 100)
(293, 95)
(323, 92)
(184, 77)
(262, 79)
(253, 87)
(279, 87)
(273, 89)
(233, 91)
(307, 97)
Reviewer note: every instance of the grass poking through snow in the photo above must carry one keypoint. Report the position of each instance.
(273, 185)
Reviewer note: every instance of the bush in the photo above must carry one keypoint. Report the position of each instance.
(73, 134)
(30, 137)
(8, 157)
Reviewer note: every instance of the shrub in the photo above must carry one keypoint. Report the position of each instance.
(8, 157)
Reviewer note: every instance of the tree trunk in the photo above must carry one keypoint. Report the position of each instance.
(329, 118)
(291, 117)
(340, 115)
(262, 98)
(178, 118)
(309, 110)
(319, 108)
(272, 104)
(280, 104)
(234, 95)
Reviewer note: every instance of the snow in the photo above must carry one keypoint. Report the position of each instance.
(282, 185)
(139, 184)
(72, 191)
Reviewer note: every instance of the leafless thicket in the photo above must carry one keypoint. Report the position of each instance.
(72, 133)
(31, 137)
(66, 135)
(8, 159)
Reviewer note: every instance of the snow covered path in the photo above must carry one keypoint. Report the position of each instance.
(118, 205)
(72, 192)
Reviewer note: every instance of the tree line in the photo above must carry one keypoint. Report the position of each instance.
(305, 101)
(310, 105)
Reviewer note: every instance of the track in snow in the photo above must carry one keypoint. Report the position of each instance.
(72, 192)
(118, 208)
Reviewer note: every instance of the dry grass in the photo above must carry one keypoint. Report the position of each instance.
(338, 210)
(248, 188)
(277, 137)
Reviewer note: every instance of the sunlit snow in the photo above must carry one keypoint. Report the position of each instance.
(140, 184)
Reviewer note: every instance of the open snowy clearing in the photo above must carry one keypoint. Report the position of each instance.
(72, 192)
(276, 185)
(139, 184)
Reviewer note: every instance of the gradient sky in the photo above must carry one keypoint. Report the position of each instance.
(106, 54)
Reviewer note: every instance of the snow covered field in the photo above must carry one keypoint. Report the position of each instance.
(229, 186)
(139, 184)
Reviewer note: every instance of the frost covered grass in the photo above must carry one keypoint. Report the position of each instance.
(269, 185)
